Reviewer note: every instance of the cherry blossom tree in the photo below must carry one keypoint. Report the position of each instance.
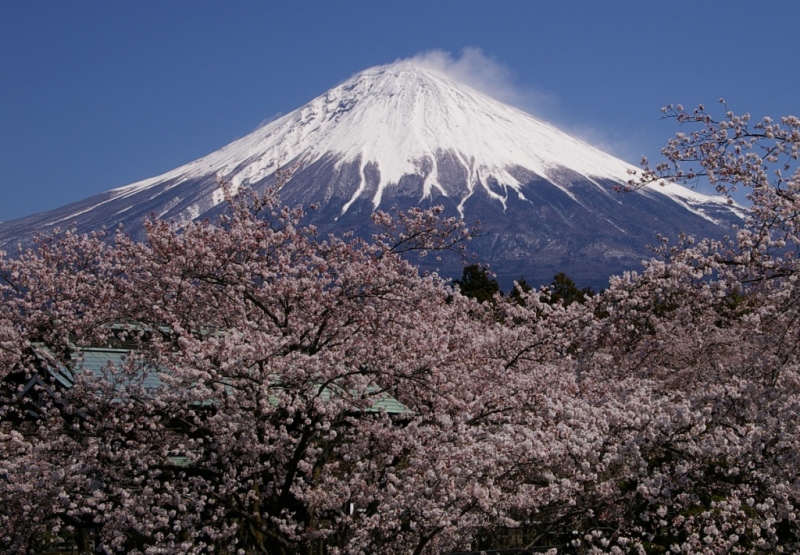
(287, 393)
(275, 352)
(704, 344)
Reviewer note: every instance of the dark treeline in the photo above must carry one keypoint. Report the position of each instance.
(477, 283)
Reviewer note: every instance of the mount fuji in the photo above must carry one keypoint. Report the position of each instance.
(405, 135)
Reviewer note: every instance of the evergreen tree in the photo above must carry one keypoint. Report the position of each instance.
(563, 289)
(477, 283)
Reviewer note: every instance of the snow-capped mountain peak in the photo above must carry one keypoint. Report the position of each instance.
(405, 134)
(400, 118)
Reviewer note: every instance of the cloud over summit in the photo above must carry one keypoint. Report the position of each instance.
(482, 72)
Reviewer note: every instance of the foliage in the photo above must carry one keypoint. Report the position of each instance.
(658, 416)
(563, 290)
(477, 283)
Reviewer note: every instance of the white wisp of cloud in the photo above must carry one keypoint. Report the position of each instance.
(484, 73)
(473, 67)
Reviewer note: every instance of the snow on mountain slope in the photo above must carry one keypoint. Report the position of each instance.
(399, 117)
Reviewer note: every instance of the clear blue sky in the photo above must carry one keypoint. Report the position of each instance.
(99, 94)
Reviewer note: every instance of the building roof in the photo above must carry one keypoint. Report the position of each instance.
(97, 359)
